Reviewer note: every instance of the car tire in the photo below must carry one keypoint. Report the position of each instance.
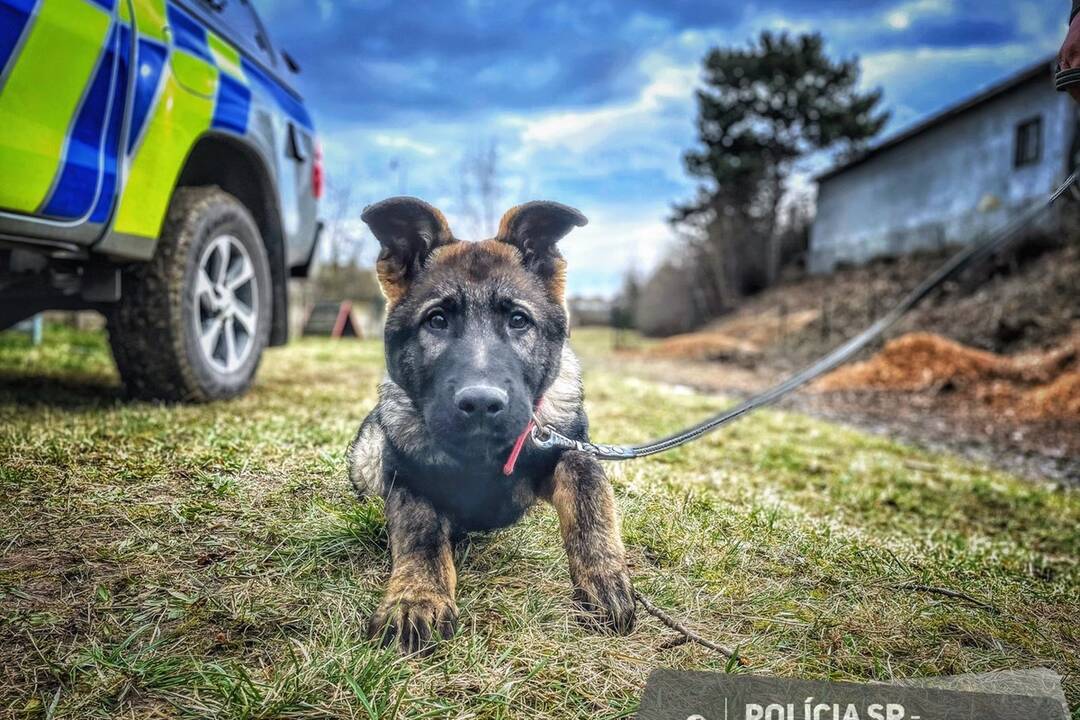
(192, 323)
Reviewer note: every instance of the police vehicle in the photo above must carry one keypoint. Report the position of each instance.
(157, 165)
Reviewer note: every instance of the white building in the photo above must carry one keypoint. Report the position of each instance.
(950, 178)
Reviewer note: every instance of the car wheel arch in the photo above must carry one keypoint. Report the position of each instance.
(239, 169)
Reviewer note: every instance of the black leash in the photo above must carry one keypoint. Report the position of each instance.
(547, 438)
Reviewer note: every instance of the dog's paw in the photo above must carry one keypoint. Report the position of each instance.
(414, 620)
(606, 601)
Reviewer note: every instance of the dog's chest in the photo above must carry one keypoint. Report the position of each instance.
(479, 499)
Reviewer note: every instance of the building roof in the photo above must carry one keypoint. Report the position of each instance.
(1041, 69)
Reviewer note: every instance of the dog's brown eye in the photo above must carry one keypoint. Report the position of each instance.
(518, 321)
(437, 321)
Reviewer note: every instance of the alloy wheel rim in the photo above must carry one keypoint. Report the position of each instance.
(226, 304)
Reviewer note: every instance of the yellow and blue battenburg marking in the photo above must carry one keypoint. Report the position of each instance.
(63, 138)
(42, 118)
(88, 170)
(14, 17)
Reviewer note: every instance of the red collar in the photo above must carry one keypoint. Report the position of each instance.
(519, 444)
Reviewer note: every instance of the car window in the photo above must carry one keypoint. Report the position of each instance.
(238, 17)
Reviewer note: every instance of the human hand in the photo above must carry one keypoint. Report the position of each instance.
(1069, 56)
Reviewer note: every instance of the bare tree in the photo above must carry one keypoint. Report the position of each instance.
(667, 304)
(480, 188)
(343, 234)
(339, 275)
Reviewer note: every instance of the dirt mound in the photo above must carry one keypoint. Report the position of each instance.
(1033, 385)
(740, 336)
(702, 346)
(1027, 305)
(763, 328)
(1060, 398)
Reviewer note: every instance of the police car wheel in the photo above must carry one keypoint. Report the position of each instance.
(193, 322)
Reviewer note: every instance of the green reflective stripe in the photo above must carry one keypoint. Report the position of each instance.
(194, 73)
(200, 76)
(150, 19)
(226, 56)
(42, 94)
(182, 112)
(175, 123)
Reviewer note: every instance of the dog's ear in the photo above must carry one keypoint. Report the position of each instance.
(534, 228)
(407, 229)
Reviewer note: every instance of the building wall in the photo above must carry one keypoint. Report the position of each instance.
(946, 186)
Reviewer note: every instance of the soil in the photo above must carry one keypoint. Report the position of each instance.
(1029, 386)
(989, 367)
(1038, 449)
(745, 335)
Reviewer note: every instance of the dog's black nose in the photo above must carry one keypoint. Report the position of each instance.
(480, 401)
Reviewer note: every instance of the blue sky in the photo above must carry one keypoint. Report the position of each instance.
(591, 103)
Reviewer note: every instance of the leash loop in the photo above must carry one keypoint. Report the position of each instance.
(548, 438)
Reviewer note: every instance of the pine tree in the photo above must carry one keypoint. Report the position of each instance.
(761, 110)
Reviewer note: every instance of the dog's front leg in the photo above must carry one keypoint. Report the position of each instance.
(584, 500)
(419, 600)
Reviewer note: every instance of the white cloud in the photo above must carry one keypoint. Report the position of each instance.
(668, 84)
(401, 142)
(578, 156)
(850, 30)
(898, 20)
(616, 240)
(1040, 24)
(920, 64)
(901, 16)
(646, 136)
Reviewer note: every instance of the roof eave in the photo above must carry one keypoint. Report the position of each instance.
(1032, 72)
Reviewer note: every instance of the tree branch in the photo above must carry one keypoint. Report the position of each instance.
(686, 632)
(915, 587)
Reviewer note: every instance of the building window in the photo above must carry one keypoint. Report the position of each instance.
(1028, 142)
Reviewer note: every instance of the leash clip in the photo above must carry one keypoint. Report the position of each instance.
(547, 440)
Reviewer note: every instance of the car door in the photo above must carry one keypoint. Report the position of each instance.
(278, 123)
(64, 76)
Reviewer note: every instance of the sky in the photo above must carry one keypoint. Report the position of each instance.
(591, 103)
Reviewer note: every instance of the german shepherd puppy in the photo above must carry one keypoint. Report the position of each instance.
(475, 342)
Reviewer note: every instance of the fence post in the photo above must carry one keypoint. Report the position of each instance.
(781, 328)
(826, 328)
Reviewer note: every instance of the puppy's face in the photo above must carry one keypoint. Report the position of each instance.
(474, 331)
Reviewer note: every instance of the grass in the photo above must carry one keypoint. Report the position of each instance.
(199, 561)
